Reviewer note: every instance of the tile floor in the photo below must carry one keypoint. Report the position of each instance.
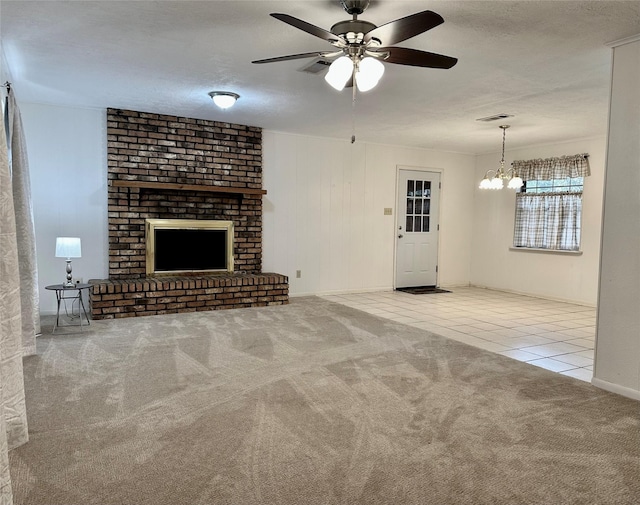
(553, 335)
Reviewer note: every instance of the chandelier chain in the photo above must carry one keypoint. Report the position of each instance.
(504, 135)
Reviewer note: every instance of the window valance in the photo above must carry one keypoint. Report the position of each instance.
(553, 168)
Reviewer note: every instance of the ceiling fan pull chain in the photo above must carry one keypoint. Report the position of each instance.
(353, 114)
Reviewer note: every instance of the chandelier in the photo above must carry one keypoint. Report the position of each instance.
(496, 181)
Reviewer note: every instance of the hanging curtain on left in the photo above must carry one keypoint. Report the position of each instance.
(13, 413)
(26, 236)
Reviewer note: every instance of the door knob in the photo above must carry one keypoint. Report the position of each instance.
(400, 235)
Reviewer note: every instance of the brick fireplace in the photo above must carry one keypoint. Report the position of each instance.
(169, 167)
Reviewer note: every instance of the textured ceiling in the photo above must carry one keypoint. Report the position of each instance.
(545, 62)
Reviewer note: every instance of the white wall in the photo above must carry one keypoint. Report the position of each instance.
(323, 212)
(552, 275)
(617, 357)
(68, 164)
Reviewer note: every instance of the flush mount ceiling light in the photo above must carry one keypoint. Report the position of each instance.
(496, 181)
(224, 99)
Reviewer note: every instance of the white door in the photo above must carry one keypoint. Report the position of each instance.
(417, 228)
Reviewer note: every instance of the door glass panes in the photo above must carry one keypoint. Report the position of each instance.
(418, 206)
(409, 226)
(410, 186)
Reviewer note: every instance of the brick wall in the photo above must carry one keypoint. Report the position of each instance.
(176, 150)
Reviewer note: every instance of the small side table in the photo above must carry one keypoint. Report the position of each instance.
(69, 293)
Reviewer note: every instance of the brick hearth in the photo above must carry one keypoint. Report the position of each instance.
(167, 295)
(169, 167)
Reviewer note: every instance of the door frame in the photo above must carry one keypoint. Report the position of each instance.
(440, 172)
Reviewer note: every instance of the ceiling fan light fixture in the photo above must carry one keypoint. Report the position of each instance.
(339, 73)
(369, 73)
(224, 99)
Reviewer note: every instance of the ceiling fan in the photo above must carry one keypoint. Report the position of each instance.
(361, 46)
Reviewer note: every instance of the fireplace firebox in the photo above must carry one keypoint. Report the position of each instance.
(178, 246)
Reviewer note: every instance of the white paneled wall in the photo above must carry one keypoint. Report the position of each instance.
(68, 164)
(324, 212)
(553, 275)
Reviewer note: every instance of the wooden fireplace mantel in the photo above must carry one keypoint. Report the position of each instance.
(188, 187)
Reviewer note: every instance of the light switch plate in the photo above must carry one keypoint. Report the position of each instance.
(388, 211)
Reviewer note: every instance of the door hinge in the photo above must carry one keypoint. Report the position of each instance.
(439, 185)
(438, 228)
(436, 268)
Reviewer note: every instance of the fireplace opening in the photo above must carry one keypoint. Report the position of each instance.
(186, 245)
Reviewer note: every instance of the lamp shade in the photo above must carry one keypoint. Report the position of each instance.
(516, 182)
(339, 73)
(485, 183)
(497, 183)
(369, 73)
(68, 247)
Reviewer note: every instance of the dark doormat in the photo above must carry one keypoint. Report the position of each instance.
(423, 290)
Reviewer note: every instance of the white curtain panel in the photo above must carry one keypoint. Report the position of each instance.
(26, 235)
(13, 415)
(548, 221)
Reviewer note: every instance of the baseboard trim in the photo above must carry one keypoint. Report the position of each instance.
(340, 291)
(535, 295)
(616, 388)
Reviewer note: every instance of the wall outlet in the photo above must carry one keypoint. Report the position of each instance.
(298, 274)
(388, 211)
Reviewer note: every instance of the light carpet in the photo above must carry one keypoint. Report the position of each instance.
(310, 403)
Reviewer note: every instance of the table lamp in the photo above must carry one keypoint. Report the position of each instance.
(68, 247)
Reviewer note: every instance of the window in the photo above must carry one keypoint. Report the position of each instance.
(548, 214)
(566, 185)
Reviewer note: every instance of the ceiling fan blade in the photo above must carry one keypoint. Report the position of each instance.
(309, 28)
(404, 28)
(315, 54)
(416, 58)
